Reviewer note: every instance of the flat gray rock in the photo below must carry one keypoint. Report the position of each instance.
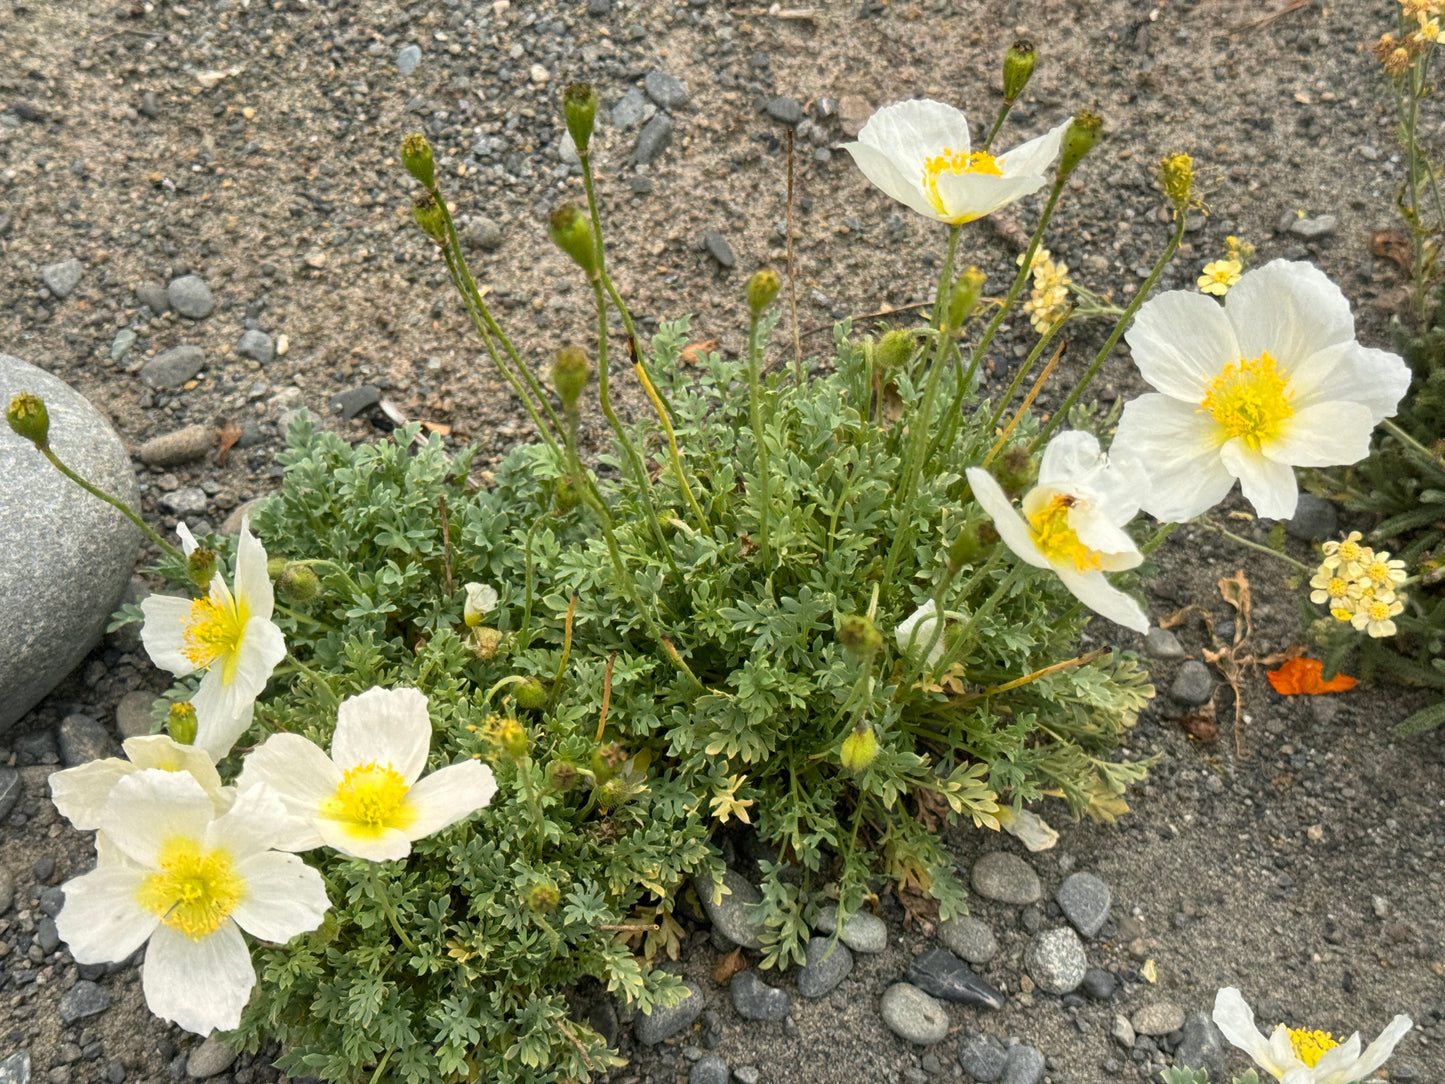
(257, 346)
(154, 297)
(631, 110)
(1024, 1065)
(16, 1068)
(70, 554)
(982, 1057)
(913, 1015)
(209, 1059)
(1007, 878)
(969, 938)
(756, 1000)
(863, 932)
(191, 297)
(1055, 960)
(61, 278)
(1202, 1046)
(82, 740)
(9, 794)
(133, 714)
(942, 974)
(732, 915)
(408, 58)
(829, 963)
(709, 1070)
(172, 368)
(1085, 901)
(666, 90)
(656, 134)
(84, 999)
(1158, 1018)
(651, 1028)
(1193, 684)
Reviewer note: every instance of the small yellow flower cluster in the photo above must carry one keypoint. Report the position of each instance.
(1241, 252)
(1048, 303)
(1220, 275)
(1397, 55)
(1358, 585)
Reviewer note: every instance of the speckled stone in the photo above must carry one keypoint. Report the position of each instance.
(1007, 878)
(913, 1015)
(1055, 960)
(651, 1028)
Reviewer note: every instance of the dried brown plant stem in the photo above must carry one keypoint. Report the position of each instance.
(792, 276)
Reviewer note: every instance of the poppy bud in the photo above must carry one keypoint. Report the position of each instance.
(966, 548)
(416, 156)
(530, 694)
(1018, 67)
(543, 898)
(181, 723)
(570, 371)
(1176, 174)
(298, 584)
(967, 289)
(1079, 138)
(579, 110)
(893, 351)
(562, 775)
(430, 218)
(860, 748)
(566, 496)
(763, 290)
(859, 636)
(29, 418)
(572, 233)
(485, 642)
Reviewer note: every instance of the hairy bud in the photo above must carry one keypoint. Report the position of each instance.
(416, 156)
(572, 233)
(430, 217)
(1018, 67)
(570, 370)
(1176, 174)
(967, 289)
(893, 351)
(274, 567)
(485, 641)
(966, 548)
(562, 776)
(1079, 139)
(201, 566)
(1017, 469)
(566, 496)
(530, 694)
(543, 898)
(860, 748)
(298, 585)
(859, 636)
(763, 290)
(181, 723)
(579, 110)
(29, 418)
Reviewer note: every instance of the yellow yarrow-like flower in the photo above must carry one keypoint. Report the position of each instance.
(1048, 302)
(1358, 585)
(1346, 555)
(1219, 276)
(1375, 618)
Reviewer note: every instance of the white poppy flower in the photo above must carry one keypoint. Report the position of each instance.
(81, 793)
(1271, 380)
(920, 153)
(229, 636)
(916, 631)
(367, 799)
(1301, 1056)
(174, 874)
(1073, 521)
(481, 600)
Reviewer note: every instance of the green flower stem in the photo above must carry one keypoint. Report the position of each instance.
(1248, 544)
(1157, 539)
(524, 635)
(1023, 372)
(295, 615)
(755, 411)
(1165, 257)
(120, 506)
(1434, 459)
(961, 641)
(378, 890)
(1003, 112)
(672, 449)
(316, 679)
(534, 807)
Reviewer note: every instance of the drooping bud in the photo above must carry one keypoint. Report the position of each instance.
(1016, 469)
(859, 636)
(860, 748)
(1079, 139)
(481, 600)
(573, 234)
(1176, 174)
(893, 351)
(763, 290)
(579, 110)
(967, 289)
(612, 793)
(201, 566)
(29, 418)
(966, 548)
(416, 156)
(1018, 67)
(566, 496)
(562, 776)
(530, 694)
(543, 898)
(429, 217)
(485, 642)
(570, 370)
(181, 723)
(298, 584)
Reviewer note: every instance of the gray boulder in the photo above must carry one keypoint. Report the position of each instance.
(69, 556)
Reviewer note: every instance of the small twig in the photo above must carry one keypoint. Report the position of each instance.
(644, 928)
(606, 696)
(575, 1042)
(446, 543)
(792, 277)
(566, 651)
(1024, 407)
(1294, 5)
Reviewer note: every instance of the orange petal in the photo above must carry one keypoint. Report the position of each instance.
(1302, 675)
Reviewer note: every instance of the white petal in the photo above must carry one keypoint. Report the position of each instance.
(284, 897)
(216, 735)
(916, 631)
(384, 846)
(1036, 155)
(102, 920)
(169, 755)
(1235, 1020)
(1337, 1066)
(251, 826)
(886, 175)
(1071, 457)
(200, 985)
(164, 632)
(1281, 1050)
(1374, 378)
(967, 196)
(1031, 830)
(262, 647)
(1323, 435)
(301, 776)
(188, 540)
(1290, 310)
(1267, 485)
(148, 807)
(1096, 531)
(448, 795)
(1181, 341)
(911, 132)
(1380, 1050)
(1011, 526)
(387, 726)
(1181, 447)
(80, 793)
(253, 586)
(1106, 600)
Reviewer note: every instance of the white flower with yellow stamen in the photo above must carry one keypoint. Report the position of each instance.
(80, 793)
(173, 873)
(368, 798)
(1219, 276)
(228, 635)
(1301, 1056)
(1376, 615)
(1271, 380)
(1330, 588)
(1073, 521)
(920, 152)
(481, 600)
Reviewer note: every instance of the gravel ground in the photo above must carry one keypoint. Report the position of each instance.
(252, 145)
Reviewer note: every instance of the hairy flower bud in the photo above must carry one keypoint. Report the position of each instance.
(570, 370)
(860, 748)
(562, 776)
(298, 585)
(1018, 67)
(763, 290)
(893, 351)
(201, 566)
(485, 642)
(859, 636)
(579, 110)
(612, 794)
(543, 898)
(566, 496)
(29, 418)
(416, 156)
(1079, 139)
(530, 694)
(1016, 469)
(967, 289)
(966, 548)
(181, 723)
(572, 233)
(1176, 173)
(430, 217)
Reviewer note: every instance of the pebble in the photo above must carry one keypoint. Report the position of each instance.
(9, 794)
(828, 964)
(756, 1000)
(181, 446)
(914, 1015)
(1203, 1046)
(353, 401)
(257, 346)
(121, 344)
(666, 90)
(659, 1024)
(1312, 229)
(863, 932)
(187, 501)
(209, 1059)
(61, 278)
(7, 887)
(747, 1074)
(191, 297)
(1123, 1031)
(732, 915)
(82, 740)
(1314, 520)
(656, 134)
(153, 296)
(408, 59)
(133, 714)
(1099, 984)
(482, 232)
(709, 1070)
(1025, 1065)
(631, 110)
(970, 938)
(1163, 644)
(942, 974)
(172, 368)
(15, 1069)
(1055, 960)
(1085, 900)
(83, 1000)
(718, 248)
(785, 109)
(1159, 1018)
(36, 747)
(46, 935)
(1007, 878)
(982, 1057)
(1193, 684)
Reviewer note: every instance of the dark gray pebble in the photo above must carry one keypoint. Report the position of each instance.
(665, 89)
(1193, 684)
(661, 1023)
(709, 1070)
(191, 297)
(353, 401)
(654, 138)
(1085, 900)
(718, 248)
(1202, 1047)
(172, 368)
(755, 1000)
(829, 963)
(1314, 520)
(61, 278)
(82, 740)
(982, 1057)
(83, 1000)
(9, 793)
(1025, 1065)
(1099, 984)
(785, 109)
(257, 346)
(153, 296)
(942, 974)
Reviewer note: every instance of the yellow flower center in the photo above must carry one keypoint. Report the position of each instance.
(1338, 588)
(195, 891)
(371, 799)
(1342, 614)
(1053, 535)
(1250, 400)
(1310, 1046)
(951, 161)
(1378, 571)
(1379, 611)
(1350, 551)
(214, 629)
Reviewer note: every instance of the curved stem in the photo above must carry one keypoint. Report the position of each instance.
(997, 123)
(672, 449)
(316, 679)
(378, 890)
(120, 506)
(1249, 544)
(755, 411)
(322, 562)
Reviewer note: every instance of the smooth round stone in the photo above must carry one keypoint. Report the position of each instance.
(709, 1070)
(209, 1059)
(829, 963)
(1055, 960)
(913, 1015)
(982, 1057)
(71, 555)
(191, 297)
(665, 89)
(1085, 900)
(969, 938)
(83, 1000)
(177, 447)
(732, 914)
(664, 1023)
(172, 368)
(133, 714)
(256, 345)
(82, 740)
(756, 1000)
(1025, 1065)
(1007, 878)
(1160, 1018)
(62, 278)
(1193, 684)
(863, 932)
(1099, 984)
